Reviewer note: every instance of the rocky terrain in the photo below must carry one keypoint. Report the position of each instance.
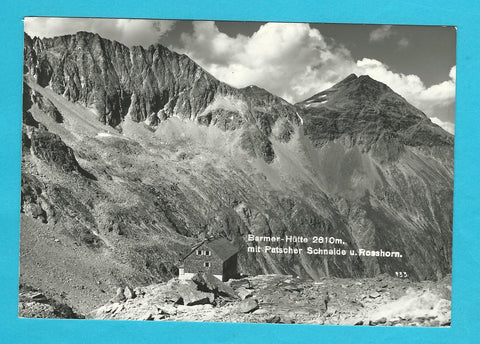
(380, 301)
(34, 304)
(131, 156)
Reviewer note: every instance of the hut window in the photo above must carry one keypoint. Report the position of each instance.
(206, 264)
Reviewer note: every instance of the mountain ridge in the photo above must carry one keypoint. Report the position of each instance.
(152, 54)
(152, 85)
(34, 45)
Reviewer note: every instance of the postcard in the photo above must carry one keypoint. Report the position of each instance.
(254, 172)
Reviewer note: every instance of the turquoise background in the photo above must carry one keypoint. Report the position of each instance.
(466, 273)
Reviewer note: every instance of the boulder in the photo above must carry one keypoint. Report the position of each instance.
(119, 297)
(382, 320)
(260, 311)
(237, 283)
(191, 296)
(273, 319)
(129, 293)
(244, 293)
(248, 306)
(172, 296)
(209, 283)
(167, 309)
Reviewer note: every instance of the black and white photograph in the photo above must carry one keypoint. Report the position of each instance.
(240, 172)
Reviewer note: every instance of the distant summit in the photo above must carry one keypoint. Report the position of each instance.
(352, 90)
(371, 113)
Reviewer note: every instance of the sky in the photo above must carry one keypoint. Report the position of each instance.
(297, 60)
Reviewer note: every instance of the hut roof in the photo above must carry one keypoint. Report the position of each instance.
(221, 246)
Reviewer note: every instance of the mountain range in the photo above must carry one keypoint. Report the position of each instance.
(133, 155)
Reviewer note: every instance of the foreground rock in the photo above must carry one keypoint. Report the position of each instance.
(129, 293)
(191, 296)
(283, 299)
(247, 306)
(244, 293)
(34, 304)
(208, 282)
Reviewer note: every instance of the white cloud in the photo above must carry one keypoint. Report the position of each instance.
(447, 126)
(127, 31)
(294, 61)
(453, 73)
(436, 101)
(381, 33)
(290, 60)
(431, 99)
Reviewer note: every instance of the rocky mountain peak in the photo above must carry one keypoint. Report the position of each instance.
(349, 78)
(364, 111)
(352, 91)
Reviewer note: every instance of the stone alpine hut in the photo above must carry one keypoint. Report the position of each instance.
(216, 256)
